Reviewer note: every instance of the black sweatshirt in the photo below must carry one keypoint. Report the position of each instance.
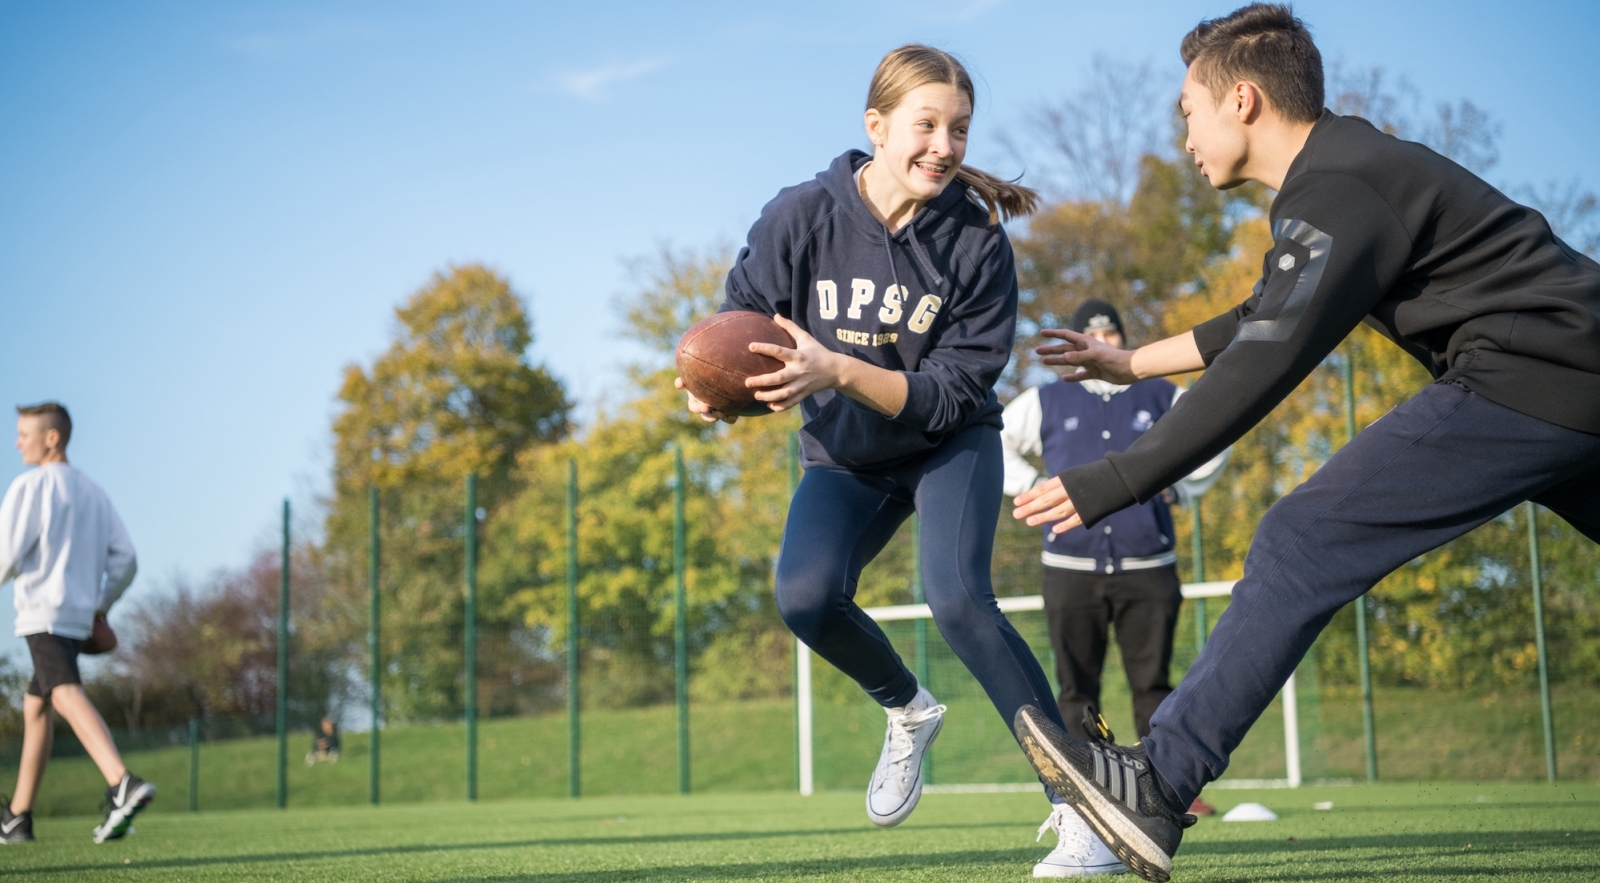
(936, 301)
(1369, 228)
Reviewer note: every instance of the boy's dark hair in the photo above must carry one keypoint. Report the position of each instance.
(1262, 43)
(54, 415)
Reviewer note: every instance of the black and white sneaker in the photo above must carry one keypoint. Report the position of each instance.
(123, 802)
(15, 828)
(1113, 788)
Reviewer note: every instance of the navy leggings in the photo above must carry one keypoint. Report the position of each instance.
(1432, 469)
(841, 518)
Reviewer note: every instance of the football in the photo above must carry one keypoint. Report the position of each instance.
(714, 359)
(101, 639)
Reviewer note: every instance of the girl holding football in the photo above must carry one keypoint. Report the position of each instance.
(895, 278)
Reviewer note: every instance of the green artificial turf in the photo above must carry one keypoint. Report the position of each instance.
(1454, 832)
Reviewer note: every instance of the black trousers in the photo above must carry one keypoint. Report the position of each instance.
(1143, 607)
(1432, 469)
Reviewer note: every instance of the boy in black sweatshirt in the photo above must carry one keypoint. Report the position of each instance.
(1367, 228)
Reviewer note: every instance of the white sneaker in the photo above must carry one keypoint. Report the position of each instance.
(1079, 852)
(897, 782)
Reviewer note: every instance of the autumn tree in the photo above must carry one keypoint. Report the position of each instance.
(455, 394)
(736, 499)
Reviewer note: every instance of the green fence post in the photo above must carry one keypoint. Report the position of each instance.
(283, 666)
(794, 676)
(1538, 636)
(919, 628)
(472, 636)
(574, 781)
(1199, 575)
(1363, 656)
(194, 764)
(373, 652)
(680, 622)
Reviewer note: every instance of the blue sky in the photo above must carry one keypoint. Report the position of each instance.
(207, 210)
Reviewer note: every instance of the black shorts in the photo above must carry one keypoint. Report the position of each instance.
(55, 662)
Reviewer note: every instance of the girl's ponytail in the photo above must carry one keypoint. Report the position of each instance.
(1004, 199)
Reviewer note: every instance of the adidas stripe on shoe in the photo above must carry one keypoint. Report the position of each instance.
(1113, 788)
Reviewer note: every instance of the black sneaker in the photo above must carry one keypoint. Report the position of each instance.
(1115, 790)
(15, 828)
(123, 802)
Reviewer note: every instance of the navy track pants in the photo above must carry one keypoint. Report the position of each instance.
(841, 518)
(1432, 469)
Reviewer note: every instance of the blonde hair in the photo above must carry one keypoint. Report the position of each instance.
(914, 65)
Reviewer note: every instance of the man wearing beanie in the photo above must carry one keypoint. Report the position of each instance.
(1123, 571)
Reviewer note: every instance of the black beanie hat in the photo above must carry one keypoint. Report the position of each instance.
(1095, 314)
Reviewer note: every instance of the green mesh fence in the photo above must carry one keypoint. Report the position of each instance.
(1481, 719)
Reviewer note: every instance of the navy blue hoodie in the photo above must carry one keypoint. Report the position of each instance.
(936, 301)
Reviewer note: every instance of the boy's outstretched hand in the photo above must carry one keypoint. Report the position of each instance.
(1045, 503)
(1090, 358)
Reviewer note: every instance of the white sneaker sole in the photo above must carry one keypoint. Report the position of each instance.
(1043, 870)
(904, 811)
(1141, 854)
(123, 817)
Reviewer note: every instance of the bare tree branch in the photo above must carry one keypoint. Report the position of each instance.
(1572, 210)
(1089, 144)
(1463, 132)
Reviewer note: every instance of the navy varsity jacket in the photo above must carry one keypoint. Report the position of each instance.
(1071, 423)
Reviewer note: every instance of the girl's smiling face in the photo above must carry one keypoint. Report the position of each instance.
(922, 141)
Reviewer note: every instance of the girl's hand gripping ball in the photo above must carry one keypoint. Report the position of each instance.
(714, 359)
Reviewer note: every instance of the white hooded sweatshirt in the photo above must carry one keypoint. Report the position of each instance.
(67, 549)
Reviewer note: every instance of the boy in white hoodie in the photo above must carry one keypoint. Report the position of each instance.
(70, 556)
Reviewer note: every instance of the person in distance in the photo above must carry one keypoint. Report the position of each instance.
(1367, 228)
(1125, 571)
(70, 558)
(895, 278)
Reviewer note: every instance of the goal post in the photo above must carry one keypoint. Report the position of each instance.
(805, 710)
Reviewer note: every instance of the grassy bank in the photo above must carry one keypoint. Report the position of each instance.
(750, 747)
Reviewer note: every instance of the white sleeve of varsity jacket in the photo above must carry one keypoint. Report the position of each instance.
(20, 524)
(121, 564)
(1196, 483)
(1020, 439)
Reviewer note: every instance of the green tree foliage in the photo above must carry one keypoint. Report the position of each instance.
(737, 497)
(455, 394)
(1140, 255)
(13, 683)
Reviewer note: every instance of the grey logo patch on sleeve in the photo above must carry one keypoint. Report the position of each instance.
(1281, 326)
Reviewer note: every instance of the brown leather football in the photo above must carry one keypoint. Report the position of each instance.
(714, 359)
(101, 638)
